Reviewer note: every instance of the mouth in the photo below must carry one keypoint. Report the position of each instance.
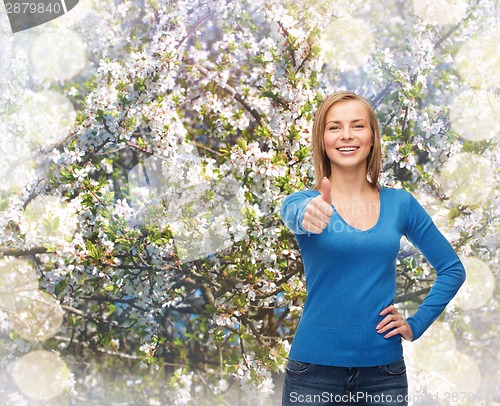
(347, 150)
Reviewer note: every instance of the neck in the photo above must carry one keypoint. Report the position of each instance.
(350, 184)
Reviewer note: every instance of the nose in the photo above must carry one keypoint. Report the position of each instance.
(346, 134)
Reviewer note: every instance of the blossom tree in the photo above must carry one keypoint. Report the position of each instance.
(143, 257)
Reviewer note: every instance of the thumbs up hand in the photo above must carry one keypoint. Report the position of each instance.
(319, 210)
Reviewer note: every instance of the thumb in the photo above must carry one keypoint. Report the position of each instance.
(326, 190)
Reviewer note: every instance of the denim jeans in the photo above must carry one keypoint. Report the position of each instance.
(313, 384)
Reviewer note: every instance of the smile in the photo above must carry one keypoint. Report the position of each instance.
(348, 149)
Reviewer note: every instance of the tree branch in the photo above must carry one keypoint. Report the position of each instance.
(19, 252)
(229, 89)
(412, 296)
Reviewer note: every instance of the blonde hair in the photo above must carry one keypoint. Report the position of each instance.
(322, 166)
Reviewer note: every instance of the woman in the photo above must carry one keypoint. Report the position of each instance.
(347, 348)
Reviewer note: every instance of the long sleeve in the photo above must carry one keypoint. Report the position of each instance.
(292, 211)
(424, 235)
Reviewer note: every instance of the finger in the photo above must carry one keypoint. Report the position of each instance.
(389, 326)
(392, 333)
(314, 229)
(386, 321)
(388, 309)
(326, 190)
(316, 216)
(319, 210)
(321, 217)
(316, 225)
(404, 330)
(325, 208)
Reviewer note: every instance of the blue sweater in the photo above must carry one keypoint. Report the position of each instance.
(351, 276)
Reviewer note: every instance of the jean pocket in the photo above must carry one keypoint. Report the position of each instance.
(297, 367)
(395, 368)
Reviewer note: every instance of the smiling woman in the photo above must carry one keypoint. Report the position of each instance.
(348, 229)
(348, 134)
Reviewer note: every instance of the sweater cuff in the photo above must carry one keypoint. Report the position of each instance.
(420, 322)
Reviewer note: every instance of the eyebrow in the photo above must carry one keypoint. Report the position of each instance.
(340, 122)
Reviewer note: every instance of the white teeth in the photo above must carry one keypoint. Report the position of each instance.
(348, 149)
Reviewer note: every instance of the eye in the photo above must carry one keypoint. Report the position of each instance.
(333, 128)
(359, 126)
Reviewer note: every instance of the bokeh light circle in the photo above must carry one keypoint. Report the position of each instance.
(438, 212)
(435, 347)
(15, 158)
(48, 115)
(463, 374)
(478, 287)
(40, 319)
(440, 366)
(347, 43)
(475, 115)
(18, 280)
(440, 12)
(58, 55)
(48, 219)
(458, 373)
(478, 60)
(467, 178)
(41, 375)
(75, 16)
(176, 192)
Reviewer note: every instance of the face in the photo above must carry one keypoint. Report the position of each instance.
(348, 137)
